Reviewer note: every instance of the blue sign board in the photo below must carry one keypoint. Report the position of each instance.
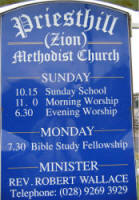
(66, 103)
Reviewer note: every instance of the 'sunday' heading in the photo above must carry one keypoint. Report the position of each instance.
(82, 18)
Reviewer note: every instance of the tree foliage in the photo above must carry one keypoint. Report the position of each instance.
(134, 4)
(7, 2)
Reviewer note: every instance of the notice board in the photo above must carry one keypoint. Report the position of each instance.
(66, 98)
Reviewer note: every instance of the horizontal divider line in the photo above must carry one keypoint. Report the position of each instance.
(112, 130)
(18, 168)
(101, 165)
(103, 130)
(112, 165)
(42, 43)
(93, 77)
(107, 77)
(16, 78)
(25, 43)
(22, 132)
(109, 43)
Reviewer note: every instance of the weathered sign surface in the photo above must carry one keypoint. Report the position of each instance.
(66, 98)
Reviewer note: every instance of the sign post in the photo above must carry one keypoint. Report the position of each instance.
(66, 97)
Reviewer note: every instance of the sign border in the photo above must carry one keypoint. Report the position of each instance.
(20, 5)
